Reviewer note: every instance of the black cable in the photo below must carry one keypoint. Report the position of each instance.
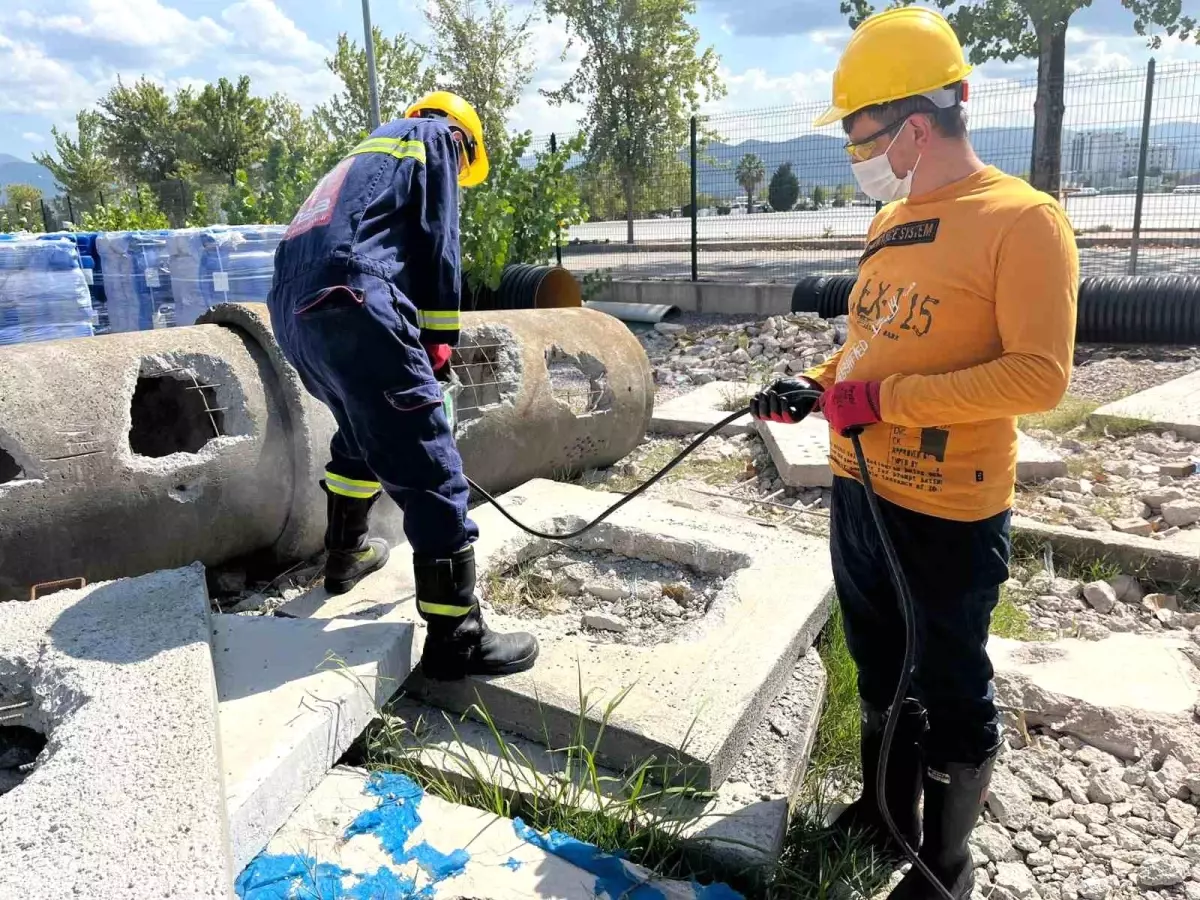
(898, 580)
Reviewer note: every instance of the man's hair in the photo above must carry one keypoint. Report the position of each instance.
(951, 122)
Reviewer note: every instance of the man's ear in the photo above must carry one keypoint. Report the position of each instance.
(922, 129)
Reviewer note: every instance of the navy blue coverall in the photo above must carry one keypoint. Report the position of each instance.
(367, 273)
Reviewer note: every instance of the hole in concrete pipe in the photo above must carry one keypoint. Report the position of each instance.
(172, 414)
(19, 749)
(579, 383)
(486, 364)
(9, 469)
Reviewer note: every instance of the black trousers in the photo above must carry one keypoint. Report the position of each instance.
(954, 572)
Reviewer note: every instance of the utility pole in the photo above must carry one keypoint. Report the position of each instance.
(371, 83)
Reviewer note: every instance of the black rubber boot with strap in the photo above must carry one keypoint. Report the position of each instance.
(954, 798)
(459, 643)
(352, 553)
(903, 786)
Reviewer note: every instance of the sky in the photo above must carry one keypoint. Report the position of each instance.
(56, 58)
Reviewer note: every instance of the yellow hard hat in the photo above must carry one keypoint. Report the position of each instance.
(898, 53)
(462, 114)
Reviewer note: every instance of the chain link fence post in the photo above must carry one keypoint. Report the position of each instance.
(1141, 174)
(694, 203)
(558, 225)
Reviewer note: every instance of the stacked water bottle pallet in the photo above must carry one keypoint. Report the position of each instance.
(43, 291)
(140, 280)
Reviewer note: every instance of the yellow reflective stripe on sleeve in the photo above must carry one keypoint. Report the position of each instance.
(441, 609)
(396, 147)
(439, 319)
(349, 487)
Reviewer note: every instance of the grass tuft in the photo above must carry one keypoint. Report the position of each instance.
(1075, 413)
(1010, 621)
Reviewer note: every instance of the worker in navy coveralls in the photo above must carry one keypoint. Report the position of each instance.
(365, 305)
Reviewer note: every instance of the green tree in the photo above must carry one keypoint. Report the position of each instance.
(843, 195)
(22, 208)
(81, 168)
(750, 173)
(136, 210)
(401, 77)
(228, 127)
(819, 196)
(481, 53)
(641, 78)
(1008, 29)
(784, 189)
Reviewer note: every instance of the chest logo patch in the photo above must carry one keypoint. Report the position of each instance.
(922, 232)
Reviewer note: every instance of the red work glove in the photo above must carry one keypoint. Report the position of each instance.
(439, 358)
(850, 404)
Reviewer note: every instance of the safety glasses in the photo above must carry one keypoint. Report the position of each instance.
(861, 151)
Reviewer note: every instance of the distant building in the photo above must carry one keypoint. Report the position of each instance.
(1107, 158)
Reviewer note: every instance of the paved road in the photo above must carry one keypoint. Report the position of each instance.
(791, 265)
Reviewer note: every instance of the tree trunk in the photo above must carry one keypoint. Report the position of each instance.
(1045, 169)
(628, 210)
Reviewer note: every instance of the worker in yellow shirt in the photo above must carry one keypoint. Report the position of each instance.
(961, 319)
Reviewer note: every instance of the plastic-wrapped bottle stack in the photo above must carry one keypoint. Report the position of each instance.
(93, 273)
(43, 291)
(221, 264)
(137, 279)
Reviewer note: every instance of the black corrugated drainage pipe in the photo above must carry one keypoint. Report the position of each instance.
(529, 287)
(1113, 309)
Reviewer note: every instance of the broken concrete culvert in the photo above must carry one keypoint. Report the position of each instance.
(200, 443)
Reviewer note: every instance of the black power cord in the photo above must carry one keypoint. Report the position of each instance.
(898, 580)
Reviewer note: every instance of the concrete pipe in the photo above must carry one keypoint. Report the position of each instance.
(128, 453)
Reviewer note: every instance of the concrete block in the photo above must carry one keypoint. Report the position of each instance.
(776, 299)
(704, 407)
(380, 835)
(729, 299)
(1171, 406)
(1172, 562)
(801, 454)
(294, 695)
(740, 828)
(1073, 687)
(691, 699)
(126, 798)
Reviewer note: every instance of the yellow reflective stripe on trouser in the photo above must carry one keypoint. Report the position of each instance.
(349, 487)
(441, 609)
(392, 147)
(439, 319)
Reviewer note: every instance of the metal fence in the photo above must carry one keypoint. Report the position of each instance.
(1130, 185)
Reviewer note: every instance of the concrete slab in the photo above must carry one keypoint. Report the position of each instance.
(380, 835)
(126, 798)
(294, 695)
(801, 454)
(691, 700)
(739, 828)
(1171, 406)
(1116, 693)
(1169, 561)
(704, 407)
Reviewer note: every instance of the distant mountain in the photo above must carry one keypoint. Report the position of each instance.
(14, 170)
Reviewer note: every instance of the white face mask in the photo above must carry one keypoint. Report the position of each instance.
(878, 181)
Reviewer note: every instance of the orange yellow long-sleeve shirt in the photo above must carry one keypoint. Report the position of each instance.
(964, 309)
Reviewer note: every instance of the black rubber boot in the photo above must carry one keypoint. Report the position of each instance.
(954, 798)
(459, 643)
(353, 554)
(903, 787)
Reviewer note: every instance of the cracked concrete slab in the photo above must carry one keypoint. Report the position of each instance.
(738, 827)
(126, 798)
(704, 407)
(381, 835)
(691, 701)
(294, 695)
(801, 454)
(1171, 406)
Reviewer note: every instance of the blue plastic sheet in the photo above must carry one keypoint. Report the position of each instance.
(221, 264)
(43, 291)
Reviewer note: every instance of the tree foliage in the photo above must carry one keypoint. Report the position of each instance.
(784, 189)
(1009, 29)
(750, 174)
(401, 78)
(81, 167)
(22, 208)
(641, 79)
(227, 127)
(133, 210)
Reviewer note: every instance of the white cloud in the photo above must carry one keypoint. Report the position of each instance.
(555, 58)
(262, 28)
(33, 137)
(32, 82)
(126, 31)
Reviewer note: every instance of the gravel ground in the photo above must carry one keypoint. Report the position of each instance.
(1104, 374)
